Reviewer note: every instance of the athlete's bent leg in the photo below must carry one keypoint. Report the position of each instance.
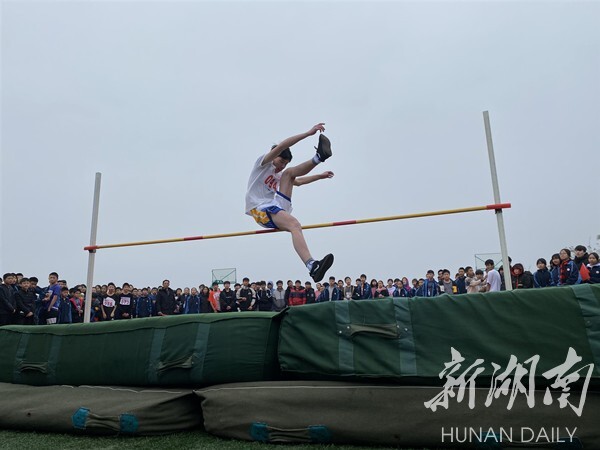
(286, 184)
(285, 221)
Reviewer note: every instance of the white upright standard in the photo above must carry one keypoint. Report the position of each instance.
(499, 217)
(92, 253)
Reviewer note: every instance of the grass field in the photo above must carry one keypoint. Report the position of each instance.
(19, 440)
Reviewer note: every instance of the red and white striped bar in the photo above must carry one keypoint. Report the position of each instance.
(495, 207)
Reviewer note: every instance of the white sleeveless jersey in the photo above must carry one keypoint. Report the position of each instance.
(262, 186)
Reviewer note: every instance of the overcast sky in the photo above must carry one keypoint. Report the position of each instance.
(174, 101)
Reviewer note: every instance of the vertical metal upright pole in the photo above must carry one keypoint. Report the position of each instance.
(499, 217)
(92, 253)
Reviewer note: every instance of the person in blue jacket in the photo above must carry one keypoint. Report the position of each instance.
(192, 303)
(568, 272)
(555, 269)
(144, 305)
(542, 277)
(331, 292)
(430, 287)
(361, 291)
(594, 267)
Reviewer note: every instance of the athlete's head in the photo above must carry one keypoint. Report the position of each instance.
(283, 159)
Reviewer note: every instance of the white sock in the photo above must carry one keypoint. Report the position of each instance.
(316, 159)
(309, 264)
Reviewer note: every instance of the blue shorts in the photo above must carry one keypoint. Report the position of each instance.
(263, 216)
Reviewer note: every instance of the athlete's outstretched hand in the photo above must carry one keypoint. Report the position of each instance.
(324, 175)
(318, 127)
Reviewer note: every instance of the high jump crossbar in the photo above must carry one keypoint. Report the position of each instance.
(495, 207)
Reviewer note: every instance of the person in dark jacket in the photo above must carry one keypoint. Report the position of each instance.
(125, 306)
(430, 287)
(331, 292)
(594, 267)
(227, 298)
(361, 291)
(381, 291)
(401, 290)
(581, 256)
(165, 300)
(310, 293)
(143, 305)
(555, 269)
(569, 274)
(205, 306)
(77, 303)
(8, 303)
(246, 296)
(521, 278)
(192, 302)
(542, 277)
(64, 309)
(460, 280)
(288, 289)
(264, 299)
(25, 300)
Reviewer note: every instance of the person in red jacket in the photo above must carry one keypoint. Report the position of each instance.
(297, 295)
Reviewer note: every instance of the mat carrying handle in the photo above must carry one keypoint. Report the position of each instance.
(262, 432)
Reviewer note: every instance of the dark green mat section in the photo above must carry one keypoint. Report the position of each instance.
(193, 350)
(98, 409)
(407, 339)
(380, 414)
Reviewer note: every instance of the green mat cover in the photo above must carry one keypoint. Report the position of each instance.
(408, 339)
(393, 415)
(182, 350)
(98, 409)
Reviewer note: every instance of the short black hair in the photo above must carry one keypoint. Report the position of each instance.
(489, 262)
(53, 273)
(286, 154)
(582, 248)
(24, 279)
(541, 260)
(246, 279)
(34, 279)
(446, 271)
(479, 272)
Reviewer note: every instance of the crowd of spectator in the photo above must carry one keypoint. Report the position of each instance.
(23, 301)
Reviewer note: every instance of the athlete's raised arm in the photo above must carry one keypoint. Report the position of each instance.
(287, 143)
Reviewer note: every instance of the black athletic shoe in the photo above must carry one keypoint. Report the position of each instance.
(324, 148)
(320, 268)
